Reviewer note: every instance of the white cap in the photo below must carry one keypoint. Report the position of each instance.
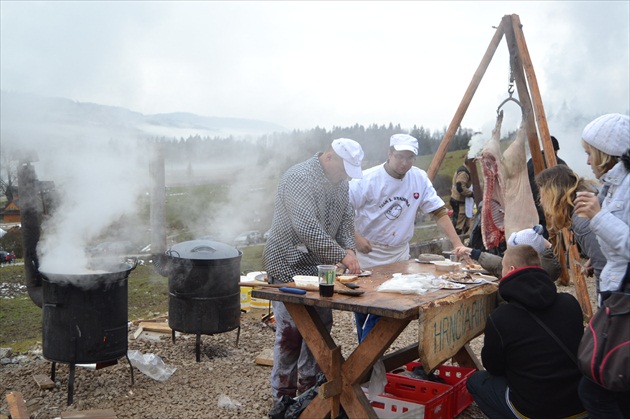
(530, 236)
(609, 133)
(352, 154)
(402, 142)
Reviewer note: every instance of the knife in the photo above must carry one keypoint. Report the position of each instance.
(289, 285)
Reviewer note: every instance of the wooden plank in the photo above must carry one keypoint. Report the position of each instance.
(463, 106)
(581, 289)
(43, 381)
(17, 405)
(444, 329)
(137, 333)
(401, 357)
(265, 357)
(87, 414)
(539, 110)
(155, 327)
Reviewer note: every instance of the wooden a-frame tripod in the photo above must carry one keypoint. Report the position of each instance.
(533, 111)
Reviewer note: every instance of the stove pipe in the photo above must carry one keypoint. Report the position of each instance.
(31, 210)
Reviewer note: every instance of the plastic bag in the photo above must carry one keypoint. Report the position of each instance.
(150, 365)
(408, 284)
(227, 403)
(378, 380)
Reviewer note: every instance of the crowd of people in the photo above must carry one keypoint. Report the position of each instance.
(330, 211)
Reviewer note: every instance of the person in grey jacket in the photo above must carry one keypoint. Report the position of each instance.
(531, 236)
(605, 140)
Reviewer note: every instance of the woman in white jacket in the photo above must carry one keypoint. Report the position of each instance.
(605, 140)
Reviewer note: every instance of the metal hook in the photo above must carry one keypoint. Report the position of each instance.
(508, 100)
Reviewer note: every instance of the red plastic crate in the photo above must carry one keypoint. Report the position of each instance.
(435, 397)
(456, 377)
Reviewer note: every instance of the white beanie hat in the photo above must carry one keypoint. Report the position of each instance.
(530, 236)
(609, 133)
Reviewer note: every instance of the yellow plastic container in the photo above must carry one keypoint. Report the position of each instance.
(257, 302)
(246, 298)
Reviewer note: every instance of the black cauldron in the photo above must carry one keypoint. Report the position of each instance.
(84, 317)
(204, 292)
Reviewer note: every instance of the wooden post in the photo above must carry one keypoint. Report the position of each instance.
(578, 277)
(523, 93)
(539, 110)
(463, 106)
(158, 200)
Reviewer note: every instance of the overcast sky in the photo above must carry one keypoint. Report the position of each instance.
(325, 63)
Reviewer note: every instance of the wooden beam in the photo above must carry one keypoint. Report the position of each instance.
(89, 414)
(523, 94)
(578, 277)
(463, 106)
(539, 110)
(17, 405)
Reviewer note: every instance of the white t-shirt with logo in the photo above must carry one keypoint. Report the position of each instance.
(385, 208)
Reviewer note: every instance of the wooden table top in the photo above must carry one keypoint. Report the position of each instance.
(394, 305)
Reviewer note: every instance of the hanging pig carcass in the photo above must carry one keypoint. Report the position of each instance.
(508, 203)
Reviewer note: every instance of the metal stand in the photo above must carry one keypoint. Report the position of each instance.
(72, 374)
(198, 342)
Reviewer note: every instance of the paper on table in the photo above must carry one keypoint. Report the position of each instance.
(409, 284)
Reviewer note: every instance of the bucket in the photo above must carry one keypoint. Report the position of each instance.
(257, 302)
(246, 296)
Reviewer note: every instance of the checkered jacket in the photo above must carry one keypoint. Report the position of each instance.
(313, 223)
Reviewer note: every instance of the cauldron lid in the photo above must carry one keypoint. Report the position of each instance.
(203, 250)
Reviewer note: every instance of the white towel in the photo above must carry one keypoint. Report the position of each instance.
(469, 202)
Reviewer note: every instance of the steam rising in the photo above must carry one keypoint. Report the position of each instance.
(99, 185)
(99, 172)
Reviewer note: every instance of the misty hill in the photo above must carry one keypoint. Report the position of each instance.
(28, 114)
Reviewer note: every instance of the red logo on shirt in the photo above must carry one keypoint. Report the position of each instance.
(416, 195)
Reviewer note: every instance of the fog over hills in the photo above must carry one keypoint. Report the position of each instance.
(26, 117)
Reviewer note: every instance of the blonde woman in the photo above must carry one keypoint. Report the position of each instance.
(559, 186)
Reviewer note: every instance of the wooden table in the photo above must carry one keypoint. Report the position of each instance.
(448, 320)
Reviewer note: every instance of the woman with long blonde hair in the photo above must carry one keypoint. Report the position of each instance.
(559, 186)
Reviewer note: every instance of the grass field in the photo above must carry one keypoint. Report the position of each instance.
(20, 318)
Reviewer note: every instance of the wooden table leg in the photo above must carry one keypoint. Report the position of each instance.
(354, 369)
(466, 358)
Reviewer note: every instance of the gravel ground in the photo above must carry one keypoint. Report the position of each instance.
(227, 383)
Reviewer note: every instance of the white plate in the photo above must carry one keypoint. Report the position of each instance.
(466, 281)
(305, 280)
(447, 285)
(445, 263)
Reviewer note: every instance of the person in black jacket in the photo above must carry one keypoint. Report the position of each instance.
(528, 374)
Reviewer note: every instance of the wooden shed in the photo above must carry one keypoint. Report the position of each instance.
(11, 212)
